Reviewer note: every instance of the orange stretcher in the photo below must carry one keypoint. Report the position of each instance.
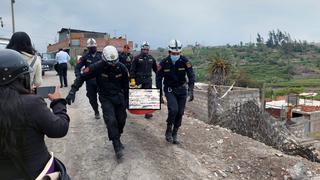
(141, 111)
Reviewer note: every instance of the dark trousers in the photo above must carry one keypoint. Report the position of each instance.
(146, 83)
(114, 115)
(92, 94)
(176, 102)
(56, 68)
(63, 68)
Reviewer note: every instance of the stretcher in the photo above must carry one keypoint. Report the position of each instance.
(141, 111)
(144, 108)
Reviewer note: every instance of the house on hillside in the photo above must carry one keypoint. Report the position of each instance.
(75, 40)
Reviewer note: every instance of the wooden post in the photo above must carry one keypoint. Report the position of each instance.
(263, 91)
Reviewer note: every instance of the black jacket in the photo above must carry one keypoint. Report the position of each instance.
(111, 80)
(126, 59)
(86, 60)
(174, 75)
(40, 121)
(142, 66)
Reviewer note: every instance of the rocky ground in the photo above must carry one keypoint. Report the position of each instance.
(205, 152)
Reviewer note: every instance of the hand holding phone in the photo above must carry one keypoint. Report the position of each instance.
(55, 95)
(45, 91)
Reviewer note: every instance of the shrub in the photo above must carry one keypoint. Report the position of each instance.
(73, 61)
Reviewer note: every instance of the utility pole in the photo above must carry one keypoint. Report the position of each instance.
(1, 22)
(12, 14)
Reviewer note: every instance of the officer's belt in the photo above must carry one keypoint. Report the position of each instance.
(183, 86)
(144, 76)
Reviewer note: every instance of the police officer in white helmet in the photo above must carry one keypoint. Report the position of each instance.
(91, 57)
(141, 69)
(172, 74)
(113, 83)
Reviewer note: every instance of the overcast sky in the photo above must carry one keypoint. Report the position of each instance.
(209, 22)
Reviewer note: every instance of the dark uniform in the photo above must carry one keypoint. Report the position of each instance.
(113, 83)
(141, 70)
(126, 59)
(175, 89)
(91, 84)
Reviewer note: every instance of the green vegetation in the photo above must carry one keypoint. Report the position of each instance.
(283, 91)
(73, 61)
(284, 64)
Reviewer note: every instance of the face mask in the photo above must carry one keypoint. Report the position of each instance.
(92, 50)
(174, 58)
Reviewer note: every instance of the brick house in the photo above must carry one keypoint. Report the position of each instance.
(75, 41)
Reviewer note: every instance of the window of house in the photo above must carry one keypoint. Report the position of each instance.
(75, 42)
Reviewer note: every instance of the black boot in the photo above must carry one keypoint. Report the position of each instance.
(97, 115)
(148, 116)
(117, 148)
(169, 133)
(175, 136)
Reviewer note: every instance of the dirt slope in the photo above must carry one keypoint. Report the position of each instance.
(206, 152)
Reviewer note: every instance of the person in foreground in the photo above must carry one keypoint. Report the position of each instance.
(25, 119)
(172, 71)
(21, 42)
(113, 84)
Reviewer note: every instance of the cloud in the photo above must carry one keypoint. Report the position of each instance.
(211, 22)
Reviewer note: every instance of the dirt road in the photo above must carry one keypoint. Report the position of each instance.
(206, 152)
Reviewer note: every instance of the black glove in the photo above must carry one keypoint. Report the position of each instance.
(190, 95)
(161, 100)
(71, 97)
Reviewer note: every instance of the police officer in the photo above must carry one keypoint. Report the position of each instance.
(90, 57)
(125, 57)
(172, 71)
(141, 70)
(113, 83)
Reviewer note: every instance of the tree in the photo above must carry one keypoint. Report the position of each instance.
(219, 68)
(270, 41)
(259, 39)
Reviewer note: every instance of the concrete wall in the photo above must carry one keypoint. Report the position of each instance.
(199, 106)
(237, 96)
(315, 121)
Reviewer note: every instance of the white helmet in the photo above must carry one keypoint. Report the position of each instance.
(91, 42)
(110, 54)
(145, 45)
(175, 46)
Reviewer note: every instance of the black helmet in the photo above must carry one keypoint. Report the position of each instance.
(13, 66)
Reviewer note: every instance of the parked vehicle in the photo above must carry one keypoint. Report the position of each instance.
(3, 43)
(48, 62)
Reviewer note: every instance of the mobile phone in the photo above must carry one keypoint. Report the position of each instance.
(44, 91)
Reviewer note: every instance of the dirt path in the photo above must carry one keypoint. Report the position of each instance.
(206, 152)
